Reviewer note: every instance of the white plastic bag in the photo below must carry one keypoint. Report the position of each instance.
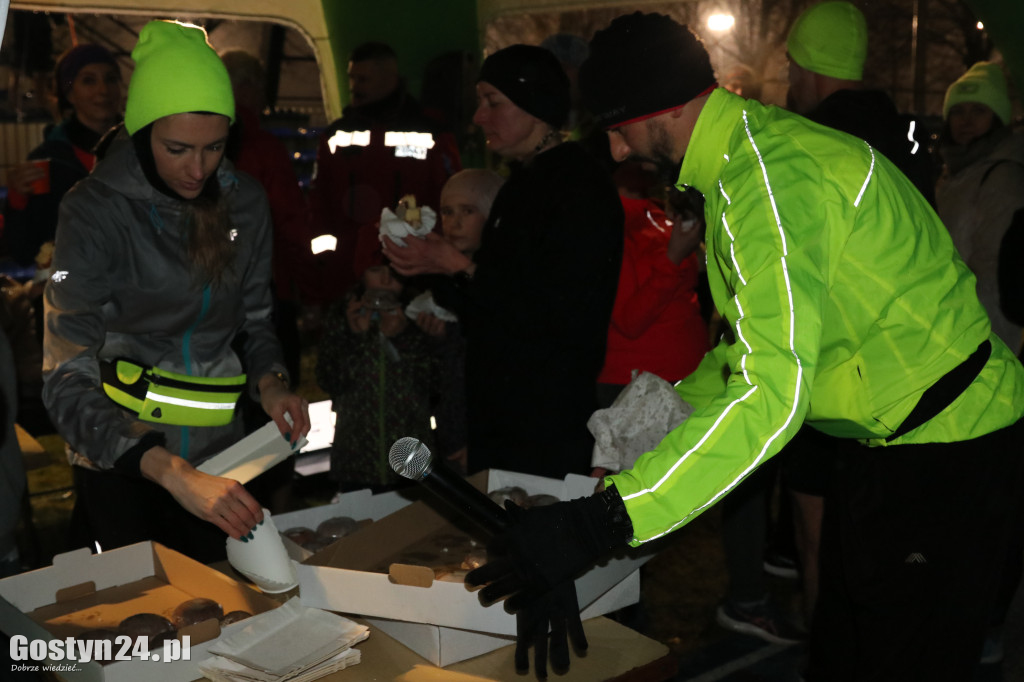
(640, 418)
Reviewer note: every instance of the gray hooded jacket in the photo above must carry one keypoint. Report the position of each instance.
(980, 190)
(123, 288)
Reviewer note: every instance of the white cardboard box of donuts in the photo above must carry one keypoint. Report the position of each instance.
(140, 591)
(404, 571)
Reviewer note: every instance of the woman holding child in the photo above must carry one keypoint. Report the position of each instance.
(536, 299)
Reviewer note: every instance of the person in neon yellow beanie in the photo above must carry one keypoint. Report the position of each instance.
(982, 186)
(827, 49)
(980, 198)
(985, 86)
(830, 38)
(854, 314)
(165, 52)
(162, 261)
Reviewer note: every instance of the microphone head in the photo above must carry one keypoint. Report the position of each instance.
(409, 457)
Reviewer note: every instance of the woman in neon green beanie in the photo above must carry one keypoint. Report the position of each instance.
(162, 270)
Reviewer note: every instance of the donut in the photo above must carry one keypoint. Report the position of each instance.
(514, 493)
(196, 611)
(234, 617)
(148, 625)
(100, 635)
(337, 527)
(301, 536)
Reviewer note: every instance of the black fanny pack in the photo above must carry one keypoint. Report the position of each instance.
(944, 391)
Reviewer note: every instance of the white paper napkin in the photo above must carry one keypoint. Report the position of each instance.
(395, 228)
(424, 303)
(288, 643)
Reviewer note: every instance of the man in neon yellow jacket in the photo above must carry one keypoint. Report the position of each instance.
(851, 311)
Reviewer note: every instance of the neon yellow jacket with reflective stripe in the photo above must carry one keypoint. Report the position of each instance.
(847, 300)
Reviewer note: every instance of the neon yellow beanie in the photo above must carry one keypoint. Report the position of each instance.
(831, 39)
(985, 83)
(176, 71)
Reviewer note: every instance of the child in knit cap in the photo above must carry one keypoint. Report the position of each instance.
(381, 372)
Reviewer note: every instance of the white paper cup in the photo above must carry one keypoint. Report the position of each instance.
(263, 559)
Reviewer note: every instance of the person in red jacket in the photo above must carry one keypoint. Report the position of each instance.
(656, 323)
(263, 156)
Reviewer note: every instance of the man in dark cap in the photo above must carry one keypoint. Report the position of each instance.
(852, 312)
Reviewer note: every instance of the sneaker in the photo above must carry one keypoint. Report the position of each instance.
(759, 620)
(780, 565)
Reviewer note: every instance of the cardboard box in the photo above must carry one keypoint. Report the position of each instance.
(82, 591)
(444, 646)
(442, 621)
(361, 505)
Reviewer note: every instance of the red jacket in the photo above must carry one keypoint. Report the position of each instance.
(656, 324)
(264, 157)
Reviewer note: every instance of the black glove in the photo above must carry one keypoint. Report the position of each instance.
(534, 564)
(558, 609)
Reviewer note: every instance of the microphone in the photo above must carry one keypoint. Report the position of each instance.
(412, 459)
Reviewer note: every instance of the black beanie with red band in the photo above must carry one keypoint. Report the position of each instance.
(642, 65)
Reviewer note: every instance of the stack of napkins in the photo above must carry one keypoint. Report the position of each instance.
(293, 642)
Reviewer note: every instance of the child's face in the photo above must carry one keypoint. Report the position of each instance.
(461, 221)
(381, 277)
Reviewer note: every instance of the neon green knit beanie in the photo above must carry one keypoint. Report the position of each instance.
(176, 71)
(831, 39)
(985, 83)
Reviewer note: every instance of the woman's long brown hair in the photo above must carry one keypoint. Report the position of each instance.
(211, 248)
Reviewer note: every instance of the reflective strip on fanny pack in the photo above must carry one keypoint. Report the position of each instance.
(184, 402)
(192, 406)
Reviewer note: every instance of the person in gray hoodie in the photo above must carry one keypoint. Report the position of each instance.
(158, 313)
(980, 196)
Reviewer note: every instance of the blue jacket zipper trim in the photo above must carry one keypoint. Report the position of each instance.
(155, 219)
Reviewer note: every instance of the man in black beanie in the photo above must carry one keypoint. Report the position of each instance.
(853, 312)
(641, 66)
